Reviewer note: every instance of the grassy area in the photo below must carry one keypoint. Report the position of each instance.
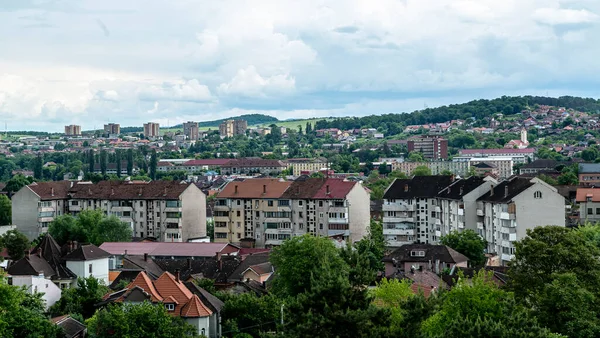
(288, 124)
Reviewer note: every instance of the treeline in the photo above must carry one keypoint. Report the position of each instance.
(479, 109)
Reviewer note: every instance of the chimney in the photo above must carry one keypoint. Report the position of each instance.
(506, 191)
(264, 188)
(52, 191)
(145, 257)
(236, 188)
(112, 191)
(328, 191)
(89, 191)
(165, 191)
(177, 275)
(219, 261)
(125, 254)
(461, 191)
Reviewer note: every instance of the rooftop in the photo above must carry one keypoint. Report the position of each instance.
(418, 186)
(167, 249)
(432, 253)
(584, 193)
(505, 191)
(255, 188)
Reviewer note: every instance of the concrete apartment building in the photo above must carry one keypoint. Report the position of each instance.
(504, 166)
(306, 165)
(190, 130)
(589, 174)
(231, 128)
(432, 147)
(269, 211)
(167, 211)
(253, 165)
(588, 200)
(73, 130)
(509, 209)
(518, 155)
(112, 129)
(411, 208)
(151, 130)
(436, 167)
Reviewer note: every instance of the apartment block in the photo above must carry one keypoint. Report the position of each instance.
(503, 166)
(269, 211)
(411, 210)
(231, 128)
(190, 130)
(112, 129)
(432, 147)
(73, 130)
(306, 165)
(509, 209)
(436, 167)
(151, 130)
(253, 165)
(518, 155)
(589, 174)
(588, 200)
(168, 211)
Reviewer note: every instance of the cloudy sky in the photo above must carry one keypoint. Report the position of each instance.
(90, 62)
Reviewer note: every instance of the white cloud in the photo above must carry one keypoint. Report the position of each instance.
(190, 90)
(248, 82)
(558, 16)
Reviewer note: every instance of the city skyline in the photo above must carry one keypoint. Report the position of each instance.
(89, 63)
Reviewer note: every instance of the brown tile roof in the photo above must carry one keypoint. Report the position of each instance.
(304, 188)
(51, 190)
(262, 269)
(334, 188)
(209, 161)
(195, 308)
(254, 188)
(144, 282)
(111, 190)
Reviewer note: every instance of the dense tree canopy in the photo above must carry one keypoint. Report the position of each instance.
(468, 243)
(15, 243)
(80, 300)
(90, 226)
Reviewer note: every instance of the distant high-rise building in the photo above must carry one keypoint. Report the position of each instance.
(112, 129)
(432, 147)
(190, 130)
(231, 128)
(73, 130)
(151, 129)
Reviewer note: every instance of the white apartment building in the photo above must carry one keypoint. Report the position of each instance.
(411, 210)
(167, 211)
(269, 211)
(509, 209)
(503, 165)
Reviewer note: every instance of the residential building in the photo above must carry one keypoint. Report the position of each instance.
(485, 169)
(194, 166)
(112, 129)
(518, 155)
(521, 143)
(71, 326)
(411, 210)
(432, 147)
(436, 167)
(231, 128)
(539, 166)
(73, 130)
(190, 130)
(151, 130)
(269, 211)
(423, 257)
(88, 261)
(512, 207)
(253, 165)
(589, 174)
(588, 200)
(111, 168)
(169, 291)
(301, 166)
(168, 211)
(504, 166)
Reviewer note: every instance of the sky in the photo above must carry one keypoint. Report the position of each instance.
(91, 62)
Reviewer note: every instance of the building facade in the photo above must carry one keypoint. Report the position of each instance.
(436, 167)
(190, 130)
(432, 147)
(269, 211)
(518, 155)
(231, 128)
(306, 165)
(503, 166)
(253, 165)
(588, 200)
(167, 211)
(73, 130)
(589, 174)
(112, 129)
(151, 130)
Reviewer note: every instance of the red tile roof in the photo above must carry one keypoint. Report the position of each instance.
(334, 188)
(584, 193)
(144, 282)
(211, 161)
(129, 190)
(195, 308)
(51, 190)
(255, 188)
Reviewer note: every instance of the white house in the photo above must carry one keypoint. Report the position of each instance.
(89, 261)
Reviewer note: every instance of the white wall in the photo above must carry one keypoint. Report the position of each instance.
(40, 284)
(99, 269)
(359, 212)
(25, 212)
(193, 213)
(532, 212)
(199, 324)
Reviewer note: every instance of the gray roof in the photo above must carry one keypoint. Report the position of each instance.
(86, 252)
(587, 168)
(432, 253)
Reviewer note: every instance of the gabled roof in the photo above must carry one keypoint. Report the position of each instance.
(207, 162)
(432, 253)
(417, 187)
(505, 191)
(123, 190)
(460, 188)
(334, 188)
(212, 302)
(143, 263)
(589, 168)
(55, 190)
(205, 268)
(261, 269)
(86, 252)
(484, 165)
(168, 249)
(584, 193)
(255, 188)
(70, 326)
(248, 261)
(304, 188)
(253, 162)
(145, 283)
(542, 164)
(31, 265)
(195, 308)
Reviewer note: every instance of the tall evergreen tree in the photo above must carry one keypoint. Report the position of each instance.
(118, 161)
(103, 159)
(37, 167)
(91, 160)
(153, 164)
(129, 162)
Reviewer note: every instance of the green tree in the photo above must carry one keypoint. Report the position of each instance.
(5, 210)
(383, 169)
(138, 321)
(119, 157)
(468, 243)
(80, 300)
(568, 178)
(16, 183)
(392, 294)
(372, 247)
(129, 162)
(421, 170)
(22, 314)
(37, 167)
(103, 161)
(90, 226)
(91, 161)
(15, 243)
(153, 164)
(247, 313)
(416, 156)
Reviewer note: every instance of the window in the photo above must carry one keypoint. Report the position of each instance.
(239, 235)
(173, 214)
(537, 194)
(283, 203)
(597, 211)
(300, 226)
(320, 226)
(257, 214)
(300, 203)
(417, 253)
(220, 235)
(320, 203)
(239, 224)
(239, 213)
(170, 306)
(271, 225)
(590, 211)
(300, 214)
(173, 204)
(90, 268)
(239, 202)
(270, 203)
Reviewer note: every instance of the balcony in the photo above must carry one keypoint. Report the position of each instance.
(438, 233)
(507, 216)
(437, 209)
(120, 209)
(172, 220)
(343, 210)
(479, 212)
(507, 257)
(479, 225)
(273, 242)
(437, 222)
(46, 209)
(338, 221)
(400, 232)
(345, 233)
(398, 207)
(45, 219)
(221, 208)
(461, 225)
(396, 244)
(461, 212)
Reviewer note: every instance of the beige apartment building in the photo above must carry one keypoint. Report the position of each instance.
(112, 129)
(269, 211)
(165, 210)
(73, 130)
(151, 130)
(436, 167)
(231, 128)
(190, 130)
(306, 165)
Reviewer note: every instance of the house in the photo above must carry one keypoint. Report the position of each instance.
(72, 327)
(169, 291)
(409, 207)
(425, 257)
(259, 272)
(513, 206)
(88, 261)
(588, 200)
(538, 166)
(485, 169)
(589, 174)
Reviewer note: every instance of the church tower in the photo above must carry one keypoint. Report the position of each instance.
(524, 136)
